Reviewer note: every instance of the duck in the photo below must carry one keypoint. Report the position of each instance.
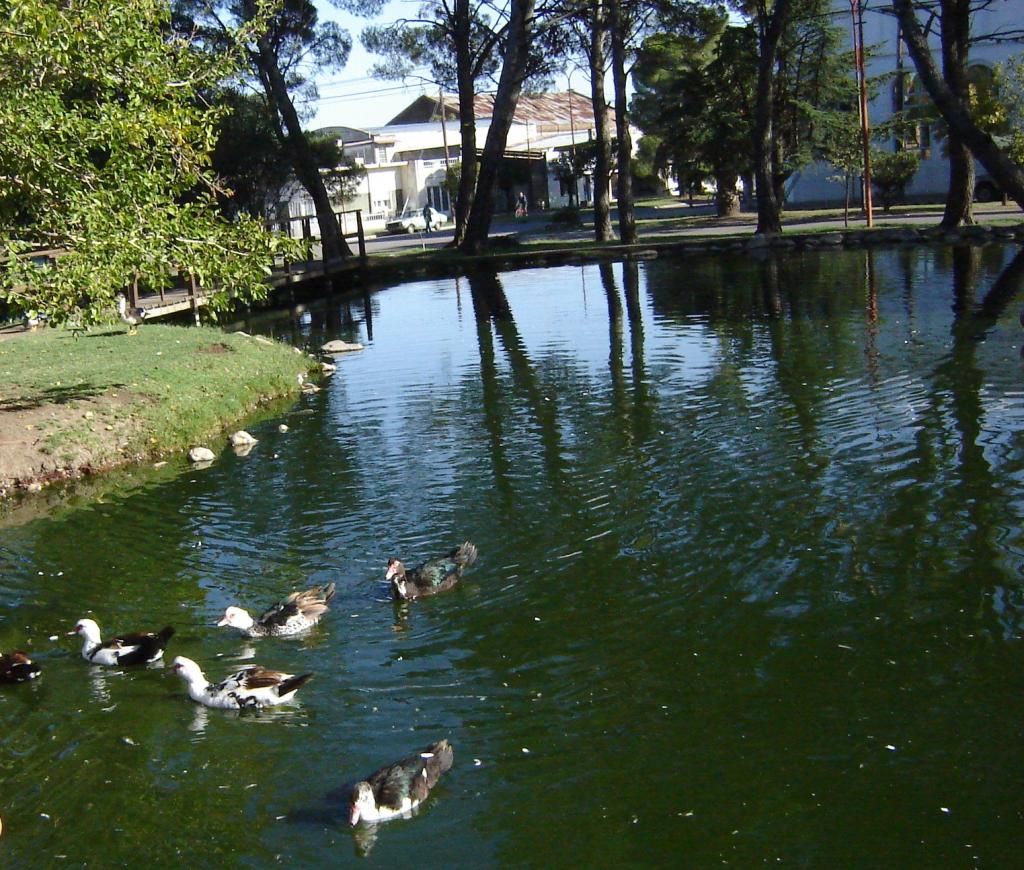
(139, 648)
(252, 687)
(433, 576)
(297, 612)
(17, 667)
(398, 788)
(132, 315)
(33, 320)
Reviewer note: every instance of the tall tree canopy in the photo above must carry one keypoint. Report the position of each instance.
(279, 41)
(456, 46)
(248, 156)
(800, 72)
(695, 91)
(106, 155)
(953, 108)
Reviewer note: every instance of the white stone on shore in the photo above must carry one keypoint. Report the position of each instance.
(282, 428)
(328, 368)
(200, 454)
(241, 438)
(339, 346)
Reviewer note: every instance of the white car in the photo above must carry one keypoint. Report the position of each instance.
(415, 222)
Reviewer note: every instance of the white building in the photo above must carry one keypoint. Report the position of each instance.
(889, 62)
(405, 161)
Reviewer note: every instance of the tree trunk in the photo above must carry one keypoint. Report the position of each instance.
(302, 159)
(727, 204)
(603, 146)
(956, 33)
(769, 33)
(956, 115)
(510, 83)
(467, 117)
(779, 176)
(747, 180)
(624, 153)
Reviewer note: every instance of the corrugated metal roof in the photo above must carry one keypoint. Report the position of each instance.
(552, 111)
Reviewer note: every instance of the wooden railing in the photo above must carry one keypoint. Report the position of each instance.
(305, 227)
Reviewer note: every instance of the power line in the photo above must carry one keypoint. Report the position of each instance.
(335, 98)
(332, 82)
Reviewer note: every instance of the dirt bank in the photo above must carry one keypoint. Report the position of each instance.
(77, 405)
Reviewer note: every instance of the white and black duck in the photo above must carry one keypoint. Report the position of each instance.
(399, 788)
(17, 667)
(252, 687)
(138, 648)
(133, 315)
(291, 615)
(433, 576)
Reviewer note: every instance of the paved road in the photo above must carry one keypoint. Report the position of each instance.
(441, 238)
(410, 241)
(535, 227)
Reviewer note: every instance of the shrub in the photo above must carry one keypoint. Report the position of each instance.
(567, 217)
(891, 172)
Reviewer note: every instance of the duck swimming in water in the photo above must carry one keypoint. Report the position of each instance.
(126, 649)
(398, 788)
(17, 667)
(297, 612)
(433, 576)
(252, 687)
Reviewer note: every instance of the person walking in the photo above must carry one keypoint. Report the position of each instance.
(521, 205)
(428, 217)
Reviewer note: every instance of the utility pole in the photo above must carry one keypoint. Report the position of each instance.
(857, 14)
(574, 197)
(444, 136)
(444, 127)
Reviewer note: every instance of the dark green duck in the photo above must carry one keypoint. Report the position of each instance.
(433, 576)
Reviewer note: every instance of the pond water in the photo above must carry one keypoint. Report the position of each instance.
(749, 588)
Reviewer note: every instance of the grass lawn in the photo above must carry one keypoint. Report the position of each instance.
(104, 397)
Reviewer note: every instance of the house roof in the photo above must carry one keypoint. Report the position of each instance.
(548, 112)
(346, 134)
(356, 135)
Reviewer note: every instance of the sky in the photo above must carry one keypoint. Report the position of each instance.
(351, 97)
